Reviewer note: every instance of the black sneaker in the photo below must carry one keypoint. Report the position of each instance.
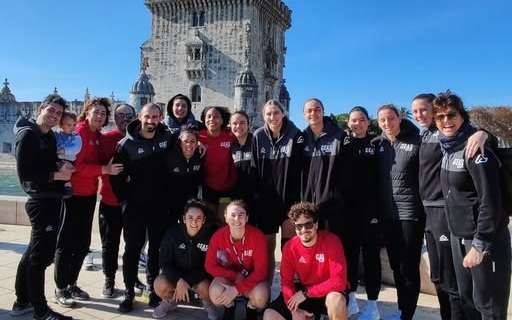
(229, 313)
(108, 289)
(52, 315)
(19, 309)
(127, 304)
(77, 293)
(139, 287)
(154, 300)
(63, 298)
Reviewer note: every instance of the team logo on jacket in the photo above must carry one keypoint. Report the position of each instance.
(320, 257)
(302, 260)
(327, 148)
(458, 163)
(406, 147)
(262, 150)
(196, 167)
(225, 144)
(163, 145)
(443, 238)
(177, 170)
(49, 228)
(381, 149)
(346, 140)
(481, 159)
(182, 246)
(369, 150)
(300, 139)
(202, 246)
(248, 253)
(140, 151)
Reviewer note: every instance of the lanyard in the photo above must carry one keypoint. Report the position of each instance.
(240, 259)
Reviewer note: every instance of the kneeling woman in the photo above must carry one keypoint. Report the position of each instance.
(182, 256)
(477, 221)
(237, 259)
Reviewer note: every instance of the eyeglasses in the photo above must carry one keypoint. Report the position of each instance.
(121, 115)
(448, 116)
(308, 225)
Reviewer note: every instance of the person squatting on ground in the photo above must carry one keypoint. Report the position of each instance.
(75, 236)
(313, 271)
(277, 157)
(140, 189)
(68, 144)
(182, 258)
(237, 259)
(403, 219)
(110, 217)
(42, 178)
(476, 218)
(363, 221)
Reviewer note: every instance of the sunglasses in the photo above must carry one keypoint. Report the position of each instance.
(308, 225)
(448, 116)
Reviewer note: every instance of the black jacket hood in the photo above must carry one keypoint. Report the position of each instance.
(133, 130)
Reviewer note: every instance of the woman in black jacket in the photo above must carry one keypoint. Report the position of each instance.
(477, 221)
(402, 216)
(182, 257)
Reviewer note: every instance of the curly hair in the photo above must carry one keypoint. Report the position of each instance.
(303, 208)
(446, 100)
(93, 103)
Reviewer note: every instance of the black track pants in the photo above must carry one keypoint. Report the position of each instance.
(484, 289)
(110, 224)
(74, 240)
(45, 218)
(442, 273)
(404, 240)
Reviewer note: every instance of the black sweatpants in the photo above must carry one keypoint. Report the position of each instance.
(484, 289)
(363, 235)
(74, 240)
(110, 224)
(45, 218)
(403, 241)
(139, 220)
(442, 273)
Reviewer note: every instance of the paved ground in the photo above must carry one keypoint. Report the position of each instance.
(13, 240)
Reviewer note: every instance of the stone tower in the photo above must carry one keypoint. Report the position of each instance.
(218, 52)
(142, 91)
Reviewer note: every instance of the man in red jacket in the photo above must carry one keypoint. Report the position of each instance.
(313, 271)
(237, 259)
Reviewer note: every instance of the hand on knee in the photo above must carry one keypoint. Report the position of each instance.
(163, 288)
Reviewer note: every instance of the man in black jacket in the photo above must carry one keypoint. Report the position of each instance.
(182, 256)
(41, 178)
(140, 191)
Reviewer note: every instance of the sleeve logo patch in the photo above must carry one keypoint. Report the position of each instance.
(481, 159)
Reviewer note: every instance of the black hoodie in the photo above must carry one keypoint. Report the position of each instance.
(189, 120)
(142, 179)
(398, 174)
(36, 160)
(278, 164)
(325, 172)
(183, 256)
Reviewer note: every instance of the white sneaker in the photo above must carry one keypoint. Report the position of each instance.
(370, 311)
(89, 262)
(164, 308)
(211, 310)
(353, 308)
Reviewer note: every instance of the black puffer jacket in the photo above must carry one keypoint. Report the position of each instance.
(182, 256)
(399, 197)
(278, 165)
(142, 180)
(36, 160)
(325, 175)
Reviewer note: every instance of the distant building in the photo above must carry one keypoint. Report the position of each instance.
(218, 52)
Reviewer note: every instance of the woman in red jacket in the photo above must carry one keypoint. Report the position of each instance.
(219, 170)
(75, 235)
(237, 259)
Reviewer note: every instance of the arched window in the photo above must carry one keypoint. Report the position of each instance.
(196, 93)
(201, 18)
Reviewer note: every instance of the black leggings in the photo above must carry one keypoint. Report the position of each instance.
(45, 219)
(74, 240)
(403, 243)
(111, 224)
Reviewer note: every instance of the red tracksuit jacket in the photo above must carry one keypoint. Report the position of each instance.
(222, 261)
(108, 143)
(87, 164)
(321, 268)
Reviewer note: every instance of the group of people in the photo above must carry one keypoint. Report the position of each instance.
(209, 197)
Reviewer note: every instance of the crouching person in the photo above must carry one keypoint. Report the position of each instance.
(182, 257)
(313, 271)
(237, 259)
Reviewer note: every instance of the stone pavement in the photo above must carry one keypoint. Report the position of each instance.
(13, 240)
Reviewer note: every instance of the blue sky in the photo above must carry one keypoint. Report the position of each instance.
(344, 52)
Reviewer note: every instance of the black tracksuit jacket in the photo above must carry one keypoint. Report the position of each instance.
(247, 178)
(36, 160)
(473, 196)
(143, 178)
(278, 165)
(430, 156)
(182, 256)
(398, 174)
(325, 175)
(184, 178)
